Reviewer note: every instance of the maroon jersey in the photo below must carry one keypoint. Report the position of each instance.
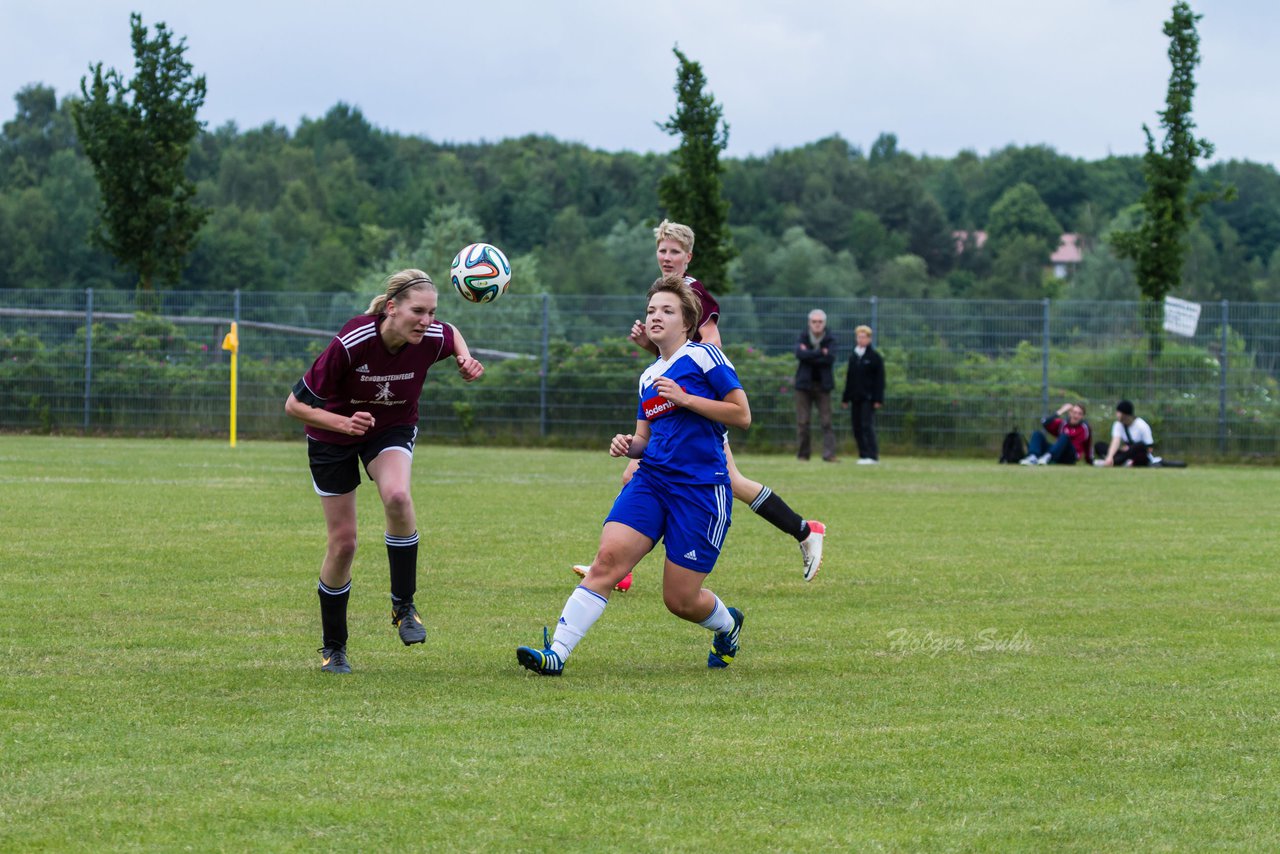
(1079, 434)
(710, 308)
(357, 372)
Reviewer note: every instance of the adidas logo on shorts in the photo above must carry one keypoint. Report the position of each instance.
(691, 555)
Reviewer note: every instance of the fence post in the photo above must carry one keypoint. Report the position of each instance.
(1222, 384)
(546, 359)
(875, 319)
(1044, 362)
(236, 312)
(88, 354)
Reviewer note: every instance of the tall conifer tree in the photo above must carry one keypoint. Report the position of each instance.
(692, 193)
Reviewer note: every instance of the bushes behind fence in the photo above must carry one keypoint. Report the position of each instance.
(147, 377)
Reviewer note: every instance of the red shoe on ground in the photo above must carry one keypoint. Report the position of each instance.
(622, 586)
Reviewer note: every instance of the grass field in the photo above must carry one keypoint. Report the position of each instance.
(993, 658)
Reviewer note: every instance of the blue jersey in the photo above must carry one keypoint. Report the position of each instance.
(685, 447)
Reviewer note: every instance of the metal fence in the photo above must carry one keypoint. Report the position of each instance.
(960, 373)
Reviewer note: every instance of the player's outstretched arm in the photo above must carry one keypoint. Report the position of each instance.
(733, 411)
(468, 366)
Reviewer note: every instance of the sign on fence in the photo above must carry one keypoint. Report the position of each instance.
(1181, 317)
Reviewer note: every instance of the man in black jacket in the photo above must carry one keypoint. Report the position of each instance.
(815, 379)
(864, 394)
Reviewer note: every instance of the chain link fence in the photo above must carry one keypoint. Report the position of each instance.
(961, 373)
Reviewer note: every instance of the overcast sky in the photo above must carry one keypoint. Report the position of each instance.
(943, 75)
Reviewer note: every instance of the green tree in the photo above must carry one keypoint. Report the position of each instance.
(692, 193)
(1021, 235)
(1059, 180)
(38, 130)
(929, 235)
(904, 277)
(1158, 245)
(1102, 275)
(795, 266)
(1020, 212)
(237, 251)
(138, 137)
(1268, 289)
(870, 242)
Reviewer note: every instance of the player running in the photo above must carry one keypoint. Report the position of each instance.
(377, 362)
(675, 251)
(679, 491)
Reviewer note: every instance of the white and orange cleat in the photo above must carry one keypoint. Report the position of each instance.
(622, 586)
(811, 548)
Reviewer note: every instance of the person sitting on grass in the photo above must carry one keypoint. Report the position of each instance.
(1070, 444)
(1131, 440)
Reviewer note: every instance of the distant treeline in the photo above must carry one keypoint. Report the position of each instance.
(335, 203)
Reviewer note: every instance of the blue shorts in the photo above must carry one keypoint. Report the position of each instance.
(690, 519)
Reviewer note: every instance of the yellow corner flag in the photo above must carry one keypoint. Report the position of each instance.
(232, 342)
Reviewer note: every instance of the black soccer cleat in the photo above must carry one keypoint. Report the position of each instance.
(334, 660)
(405, 618)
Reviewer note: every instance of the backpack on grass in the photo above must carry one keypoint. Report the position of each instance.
(1014, 447)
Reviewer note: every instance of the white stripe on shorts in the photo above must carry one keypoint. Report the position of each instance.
(716, 531)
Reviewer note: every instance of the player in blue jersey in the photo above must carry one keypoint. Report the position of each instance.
(679, 493)
(377, 362)
(675, 251)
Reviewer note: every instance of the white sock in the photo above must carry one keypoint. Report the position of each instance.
(720, 620)
(580, 612)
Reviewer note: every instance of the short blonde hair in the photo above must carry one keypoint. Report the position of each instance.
(668, 230)
(866, 329)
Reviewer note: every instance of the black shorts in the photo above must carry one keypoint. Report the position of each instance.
(334, 470)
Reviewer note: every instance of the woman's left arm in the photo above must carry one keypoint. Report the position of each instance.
(470, 368)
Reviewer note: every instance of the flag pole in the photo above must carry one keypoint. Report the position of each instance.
(232, 342)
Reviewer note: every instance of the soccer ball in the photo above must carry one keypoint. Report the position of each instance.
(480, 272)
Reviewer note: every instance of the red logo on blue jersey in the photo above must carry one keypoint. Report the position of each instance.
(658, 406)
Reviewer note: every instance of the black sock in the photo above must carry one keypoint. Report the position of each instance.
(333, 614)
(402, 554)
(775, 511)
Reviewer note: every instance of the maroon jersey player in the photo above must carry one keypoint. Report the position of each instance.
(359, 401)
(675, 251)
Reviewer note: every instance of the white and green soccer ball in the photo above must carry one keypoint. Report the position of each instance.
(480, 272)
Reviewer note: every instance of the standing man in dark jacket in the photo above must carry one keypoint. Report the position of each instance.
(815, 379)
(864, 394)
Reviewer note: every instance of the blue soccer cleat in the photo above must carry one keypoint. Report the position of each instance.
(541, 661)
(724, 646)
